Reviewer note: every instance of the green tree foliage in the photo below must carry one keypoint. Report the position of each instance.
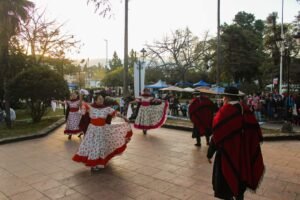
(132, 58)
(270, 67)
(12, 13)
(242, 44)
(115, 62)
(37, 86)
(114, 78)
(153, 74)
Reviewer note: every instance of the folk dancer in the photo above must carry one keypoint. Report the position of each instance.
(102, 140)
(73, 116)
(236, 140)
(152, 112)
(201, 112)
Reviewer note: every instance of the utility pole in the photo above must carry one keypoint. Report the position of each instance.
(125, 79)
(281, 50)
(218, 47)
(106, 57)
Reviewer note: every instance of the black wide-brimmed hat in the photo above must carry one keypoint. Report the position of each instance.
(232, 91)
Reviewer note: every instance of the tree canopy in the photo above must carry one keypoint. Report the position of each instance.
(37, 86)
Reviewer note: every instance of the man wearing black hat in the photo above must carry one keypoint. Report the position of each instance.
(236, 140)
(201, 114)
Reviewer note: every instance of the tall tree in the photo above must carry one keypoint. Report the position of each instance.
(179, 52)
(242, 44)
(132, 58)
(12, 13)
(44, 38)
(272, 33)
(115, 62)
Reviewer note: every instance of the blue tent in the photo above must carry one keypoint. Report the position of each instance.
(217, 89)
(201, 83)
(159, 84)
(72, 86)
(184, 84)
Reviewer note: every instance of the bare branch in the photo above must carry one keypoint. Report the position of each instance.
(181, 52)
(103, 7)
(44, 38)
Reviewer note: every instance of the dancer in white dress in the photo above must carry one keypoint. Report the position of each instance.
(102, 140)
(152, 112)
(74, 115)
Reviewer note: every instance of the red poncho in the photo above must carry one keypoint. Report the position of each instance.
(238, 138)
(201, 113)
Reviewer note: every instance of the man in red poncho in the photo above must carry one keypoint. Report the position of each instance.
(236, 140)
(201, 112)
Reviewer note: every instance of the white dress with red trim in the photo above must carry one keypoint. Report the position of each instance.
(72, 126)
(151, 116)
(102, 141)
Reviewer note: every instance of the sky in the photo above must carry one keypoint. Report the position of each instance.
(151, 20)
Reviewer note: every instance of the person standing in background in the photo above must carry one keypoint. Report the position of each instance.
(201, 112)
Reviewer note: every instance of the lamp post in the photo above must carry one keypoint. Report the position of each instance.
(140, 67)
(280, 45)
(287, 64)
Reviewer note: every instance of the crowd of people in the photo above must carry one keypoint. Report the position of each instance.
(265, 106)
(272, 106)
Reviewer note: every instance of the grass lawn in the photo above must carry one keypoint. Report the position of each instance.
(24, 126)
(24, 114)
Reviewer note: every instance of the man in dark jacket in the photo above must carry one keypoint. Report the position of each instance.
(236, 140)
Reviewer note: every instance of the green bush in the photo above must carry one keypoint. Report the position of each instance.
(37, 86)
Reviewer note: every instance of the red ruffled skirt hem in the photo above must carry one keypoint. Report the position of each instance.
(99, 161)
(102, 161)
(158, 125)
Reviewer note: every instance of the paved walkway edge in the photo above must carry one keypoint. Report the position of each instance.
(280, 137)
(39, 134)
(55, 125)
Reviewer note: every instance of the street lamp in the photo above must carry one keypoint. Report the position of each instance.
(284, 46)
(140, 67)
(280, 45)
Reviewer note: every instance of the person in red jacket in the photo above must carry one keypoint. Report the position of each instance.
(236, 140)
(201, 111)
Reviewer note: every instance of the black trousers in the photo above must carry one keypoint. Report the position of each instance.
(196, 135)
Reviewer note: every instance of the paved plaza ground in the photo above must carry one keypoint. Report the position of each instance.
(161, 165)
